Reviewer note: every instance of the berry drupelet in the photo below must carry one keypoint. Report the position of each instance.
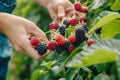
(41, 48)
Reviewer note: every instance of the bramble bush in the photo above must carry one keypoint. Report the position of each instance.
(99, 61)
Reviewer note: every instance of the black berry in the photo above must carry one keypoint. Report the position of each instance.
(62, 30)
(59, 49)
(79, 33)
(84, 28)
(42, 48)
(67, 44)
(66, 22)
(98, 31)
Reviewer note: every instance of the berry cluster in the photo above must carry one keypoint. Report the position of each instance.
(41, 47)
(60, 40)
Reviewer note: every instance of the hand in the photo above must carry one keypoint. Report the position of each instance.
(58, 8)
(18, 30)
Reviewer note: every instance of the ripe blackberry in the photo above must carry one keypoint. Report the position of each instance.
(98, 31)
(79, 33)
(66, 45)
(62, 30)
(41, 48)
(59, 48)
(66, 22)
(84, 28)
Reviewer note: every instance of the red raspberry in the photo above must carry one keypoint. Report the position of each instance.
(54, 26)
(72, 38)
(71, 48)
(52, 45)
(34, 41)
(60, 40)
(73, 21)
(77, 6)
(85, 9)
(83, 20)
(90, 42)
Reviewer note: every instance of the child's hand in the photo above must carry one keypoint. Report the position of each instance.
(18, 30)
(60, 8)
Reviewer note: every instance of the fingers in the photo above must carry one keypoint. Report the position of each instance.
(39, 33)
(28, 49)
(61, 11)
(69, 9)
(52, 12)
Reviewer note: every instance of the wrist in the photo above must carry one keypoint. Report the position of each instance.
(1, 20)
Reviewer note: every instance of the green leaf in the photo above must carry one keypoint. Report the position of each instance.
(104, 77)
(47, 64)
(101, 67)
(118, 66)
(100, 52)
(37, 73)
(78, 49)
(111, 29)
(97, 3)
(71, 73)
(116, 5)
(105, 20)
(78, 77)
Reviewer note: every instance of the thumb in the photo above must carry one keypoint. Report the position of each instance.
(61, 11)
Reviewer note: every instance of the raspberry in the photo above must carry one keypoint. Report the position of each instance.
(66, 45)
(72, 38)
(83, 20)
(52, 45)
(73, 21)
(42, 48)
(98, 31)
(66, 22)
(34, 41)
(62, 30)
(85, 9)
(77, 6)
(59, 48)
(79, 33)
(71, 48)
(90, 42)
(54, 26)
(60, 40)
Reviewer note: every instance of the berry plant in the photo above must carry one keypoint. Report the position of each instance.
(84, 46)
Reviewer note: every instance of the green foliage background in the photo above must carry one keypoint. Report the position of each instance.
(103, 58)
